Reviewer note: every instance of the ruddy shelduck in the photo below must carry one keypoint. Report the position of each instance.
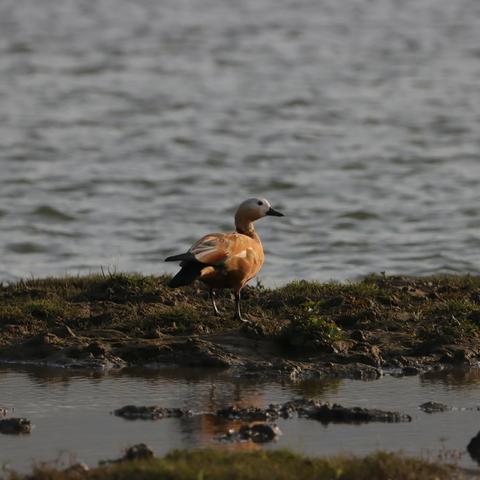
(226, 260)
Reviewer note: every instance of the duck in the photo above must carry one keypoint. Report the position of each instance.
(226, 260)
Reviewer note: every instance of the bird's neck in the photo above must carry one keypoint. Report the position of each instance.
(246, 228)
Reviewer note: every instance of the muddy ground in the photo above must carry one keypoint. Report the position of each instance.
(299, 330)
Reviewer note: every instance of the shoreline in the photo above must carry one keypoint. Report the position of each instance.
(304, 329)
(140, 462)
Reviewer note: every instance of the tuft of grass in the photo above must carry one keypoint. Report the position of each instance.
(309, 330)
(257, 465)
(453, 323)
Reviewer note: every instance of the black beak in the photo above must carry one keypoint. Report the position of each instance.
(274, 213)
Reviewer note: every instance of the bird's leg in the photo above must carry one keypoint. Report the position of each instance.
(238, 313)
(212, 298)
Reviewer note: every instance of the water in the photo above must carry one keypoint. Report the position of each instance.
(130, 128)
(72, 413)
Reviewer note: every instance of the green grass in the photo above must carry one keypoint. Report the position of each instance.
(309, 330)
(430, 312)
(258, 465)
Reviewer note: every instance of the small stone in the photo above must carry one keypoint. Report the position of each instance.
(15, 426)
(63, 331)
(474, 448)
(44, 339)
(141, 451)
(434, 407)
(258, 433)
(263, 432)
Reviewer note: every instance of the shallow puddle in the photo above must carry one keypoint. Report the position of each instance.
(72, 413)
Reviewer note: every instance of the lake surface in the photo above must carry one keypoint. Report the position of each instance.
(72, 413)
(132, 127)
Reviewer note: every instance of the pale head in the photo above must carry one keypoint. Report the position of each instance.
(253, 209)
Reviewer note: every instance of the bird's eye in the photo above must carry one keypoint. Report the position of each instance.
(259, 203)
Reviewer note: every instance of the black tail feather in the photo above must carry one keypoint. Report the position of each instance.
(182, 256)
(188, 274)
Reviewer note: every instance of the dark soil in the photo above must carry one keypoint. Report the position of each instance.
(132, 412)
(315, 410)
(301, 329)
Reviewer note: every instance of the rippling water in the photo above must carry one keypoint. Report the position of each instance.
(130, 128)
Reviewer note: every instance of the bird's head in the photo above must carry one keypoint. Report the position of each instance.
(255, 208)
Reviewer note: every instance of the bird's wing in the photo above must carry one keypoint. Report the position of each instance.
(216, 248)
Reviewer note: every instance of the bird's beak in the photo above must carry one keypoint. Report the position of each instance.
(274, 213)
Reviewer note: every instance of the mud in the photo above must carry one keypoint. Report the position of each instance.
(304, 329)
(132, 412)
(315, 410)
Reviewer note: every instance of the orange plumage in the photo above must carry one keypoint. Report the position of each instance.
(226, 260)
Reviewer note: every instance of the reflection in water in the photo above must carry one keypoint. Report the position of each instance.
(458, 378)
(316, 388)
(61, 402)
(241, 391)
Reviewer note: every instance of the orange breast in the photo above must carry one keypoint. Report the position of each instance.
(243, 261)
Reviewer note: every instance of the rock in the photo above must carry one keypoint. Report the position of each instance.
(251, 414)
(474, 448)
(434, 407)
(342, 346)
(43, 339)
(63, 331)
(141, 451)
(258, 433)
(15, 425)
(154, 412)
(97, 349)
(314, 410)
(337, 414)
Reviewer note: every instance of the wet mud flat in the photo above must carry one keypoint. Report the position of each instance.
(302, 329)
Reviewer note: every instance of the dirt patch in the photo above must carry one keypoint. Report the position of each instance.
(303, 329)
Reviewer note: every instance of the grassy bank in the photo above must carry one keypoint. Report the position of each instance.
(135, 319)
(276, 465)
